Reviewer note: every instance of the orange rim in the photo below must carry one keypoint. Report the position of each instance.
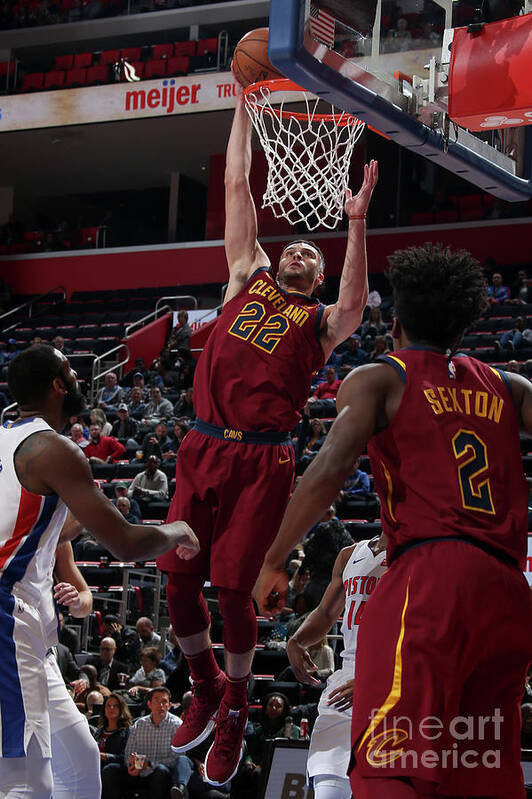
(286, 85)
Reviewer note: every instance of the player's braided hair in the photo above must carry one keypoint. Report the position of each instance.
(437, 293)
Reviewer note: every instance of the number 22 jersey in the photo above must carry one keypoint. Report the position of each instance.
(255, 371)
(449, 462)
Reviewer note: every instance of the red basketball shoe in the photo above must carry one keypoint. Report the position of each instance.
(199, 719)
(223, 758)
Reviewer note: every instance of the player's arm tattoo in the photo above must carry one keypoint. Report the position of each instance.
(28, 456)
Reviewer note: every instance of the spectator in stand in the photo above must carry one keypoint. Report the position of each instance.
(136, 406)
(184, 406)
(513, 366)
(521, 289)
(149, 485)
(357, 483)
(381, 348)
(149, 675)
(151, 765)
(139, 368)
(113, 729)
(354, 356)
(72, 420)
(321, 551)
(59, 344)
(11, 349)
(275, 710)
(399, 38)
(109, 397)
(181, 428)
(68, 635)
(77, 436)
(139, 381)
(124, 506)
(186, 374)
(371, 328)
(157, 443)
(180, 335)
(125, 428)
(97, 416)
(126, 639)
(497, 293)
(311, 444)
(164, 375)
(323, 400)
(146, 632)
(517, 338)
(107, 668)
(158, 409)
(85, 685)
(103, 449)
(121, 491)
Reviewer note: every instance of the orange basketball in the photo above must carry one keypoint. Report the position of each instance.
(250, 59)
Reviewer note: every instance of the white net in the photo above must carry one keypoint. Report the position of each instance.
(308, 157)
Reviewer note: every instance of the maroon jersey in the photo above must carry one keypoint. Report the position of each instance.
(255, 371)
(449, 463)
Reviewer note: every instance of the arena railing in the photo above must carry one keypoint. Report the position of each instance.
(29, 305)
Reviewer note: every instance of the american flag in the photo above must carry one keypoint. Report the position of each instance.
(322, 25)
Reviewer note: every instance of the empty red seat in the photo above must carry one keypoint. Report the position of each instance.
(185, 48)
(155, 69)
(162, 51)
(109, 56)
(64, 61)
(131, 53)
(76, 77)
(54, 79)
(178, 65)
(33, 81)
(99, 73)
(88, 236)
(6, 66)
(207, 46)
(83, 60)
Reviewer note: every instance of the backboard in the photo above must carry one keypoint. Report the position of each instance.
(388, 64)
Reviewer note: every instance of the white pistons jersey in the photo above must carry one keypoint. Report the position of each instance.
(360, 577)
(330, 744)
(30, 525)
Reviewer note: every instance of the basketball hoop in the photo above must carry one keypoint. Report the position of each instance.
(308, 154)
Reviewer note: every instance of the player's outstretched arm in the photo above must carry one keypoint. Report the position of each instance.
(48, 463)
(70, 588)
(342, 319)
(318, 623)
(359, 402)
(244, 253)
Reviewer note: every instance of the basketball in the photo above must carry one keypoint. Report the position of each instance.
(250, 59)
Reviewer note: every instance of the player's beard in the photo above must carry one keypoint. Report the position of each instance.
(74, 402)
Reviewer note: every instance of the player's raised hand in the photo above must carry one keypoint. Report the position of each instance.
(270, 590)
(342, 697)
(358, 204)
(302, 664)
(183, 539)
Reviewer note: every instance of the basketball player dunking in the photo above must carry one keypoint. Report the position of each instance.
(446, 638)
(235, 469)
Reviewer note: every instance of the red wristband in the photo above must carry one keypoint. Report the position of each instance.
(357, 216)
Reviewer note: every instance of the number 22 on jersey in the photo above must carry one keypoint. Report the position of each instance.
(264, 335)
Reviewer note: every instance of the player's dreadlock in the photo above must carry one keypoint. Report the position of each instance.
(437, 293)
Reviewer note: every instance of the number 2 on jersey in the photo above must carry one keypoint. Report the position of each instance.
(473, 476)
(268, 335)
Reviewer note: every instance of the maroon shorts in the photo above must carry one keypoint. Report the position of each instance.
(442, 655)
(233, 495)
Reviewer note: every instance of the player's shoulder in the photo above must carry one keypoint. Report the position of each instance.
(343, 557)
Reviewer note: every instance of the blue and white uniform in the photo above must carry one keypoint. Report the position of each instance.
(330, 743)
(30, 525)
